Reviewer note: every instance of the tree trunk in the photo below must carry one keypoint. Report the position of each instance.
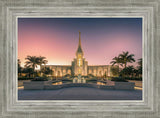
(118, 68)
(29, 75)
(20, 74)
(40, 70)
(33, 70)
(125, 64)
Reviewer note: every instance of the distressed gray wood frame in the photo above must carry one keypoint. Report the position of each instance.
(12, 9)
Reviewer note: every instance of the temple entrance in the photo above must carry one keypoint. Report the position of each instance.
(79, 79)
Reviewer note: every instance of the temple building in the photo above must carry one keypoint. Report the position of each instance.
(80, 66)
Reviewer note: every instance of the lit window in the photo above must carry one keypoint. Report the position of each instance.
(79, 62)
(79, 71)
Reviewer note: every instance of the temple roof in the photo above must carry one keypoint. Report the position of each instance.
(79, 50)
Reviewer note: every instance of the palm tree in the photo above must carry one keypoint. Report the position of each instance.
(128, 71)
(19, 67)
(32, 62)
(115, 71)
(140, 66)
(140, 62)
(46, 70)
(41, 60)
(126, 58)
(29, 71)
(116, 60)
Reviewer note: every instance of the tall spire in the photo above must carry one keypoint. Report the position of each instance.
(79, 50)
(79, 38)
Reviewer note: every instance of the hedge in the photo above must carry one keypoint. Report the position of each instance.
(133, 78)
(118, 79)
(25, 78)
(40, 79)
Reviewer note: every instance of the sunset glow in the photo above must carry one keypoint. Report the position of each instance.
(57, 38)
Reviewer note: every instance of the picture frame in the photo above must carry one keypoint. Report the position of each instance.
(11, 107)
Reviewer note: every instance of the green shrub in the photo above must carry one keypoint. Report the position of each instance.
(108, 77)
(85, 76)
(90, 75)
(118, 79)
(67, 75)
(56, 81)
(40, 79)
(64, 81)
(115, 71)
(25, 78)
(134, 78)
(73, 76)
(91, 80)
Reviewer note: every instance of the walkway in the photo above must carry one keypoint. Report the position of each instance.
(79, 93)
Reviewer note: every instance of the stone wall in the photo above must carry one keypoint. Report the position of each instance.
(124, 85)
(36, 85)
(20, 82)
(40, 85)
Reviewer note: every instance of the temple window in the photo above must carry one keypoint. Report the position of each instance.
(79, 71)
(79, 56)
(53, 73)
(100, 73)
(64, 71)
(58, 73)
(69, 71)
(79, 62)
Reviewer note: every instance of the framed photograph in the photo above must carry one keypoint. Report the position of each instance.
(79, 59)
(112, 69)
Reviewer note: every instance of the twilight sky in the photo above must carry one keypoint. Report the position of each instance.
(57, 38)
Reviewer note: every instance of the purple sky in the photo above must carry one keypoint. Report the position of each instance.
(57, 38)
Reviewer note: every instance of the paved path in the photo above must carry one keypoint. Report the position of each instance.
(79, 93)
